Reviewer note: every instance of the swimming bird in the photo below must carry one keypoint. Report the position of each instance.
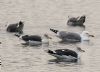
(17, 27)
(0, 63)
(79, 21)
(66, 54)
(34, 40)
(72, 37)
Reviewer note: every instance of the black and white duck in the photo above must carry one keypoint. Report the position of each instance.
(65, 54)
(34, 40)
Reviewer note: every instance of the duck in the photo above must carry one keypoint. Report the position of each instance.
(72, 37)
(65, 54)
(16, 28)
(79, 21)
(35, 40)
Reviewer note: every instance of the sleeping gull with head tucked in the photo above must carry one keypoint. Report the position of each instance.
(72, 37)
(79, 21)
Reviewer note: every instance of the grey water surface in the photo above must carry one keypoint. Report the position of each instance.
(39, 16)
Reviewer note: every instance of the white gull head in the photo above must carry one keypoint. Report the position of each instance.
(85, 36)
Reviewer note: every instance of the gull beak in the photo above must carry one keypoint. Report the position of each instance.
(47, 36)
(91, 35)
(80, 49)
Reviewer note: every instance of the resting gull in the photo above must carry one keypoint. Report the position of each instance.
(72, 37)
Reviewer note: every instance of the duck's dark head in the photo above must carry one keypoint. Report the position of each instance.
(50, 51)
(21, 23)
(53, 30)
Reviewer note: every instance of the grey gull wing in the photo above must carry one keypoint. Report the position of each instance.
(68, 36)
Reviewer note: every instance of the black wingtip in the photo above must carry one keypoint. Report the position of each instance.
(53, 30)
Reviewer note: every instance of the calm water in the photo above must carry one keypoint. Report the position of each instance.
(39, 16)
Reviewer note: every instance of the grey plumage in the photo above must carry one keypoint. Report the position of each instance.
(69, 37)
